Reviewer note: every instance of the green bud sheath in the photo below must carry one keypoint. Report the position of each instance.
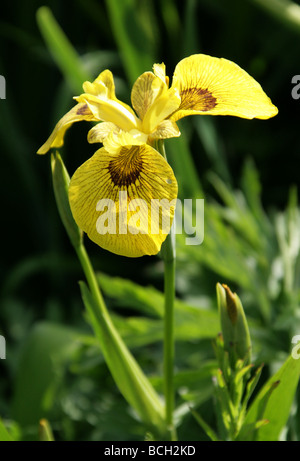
(61, 182)
(45, 431)
(234, 325)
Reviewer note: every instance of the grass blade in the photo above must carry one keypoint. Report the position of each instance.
(62, 50)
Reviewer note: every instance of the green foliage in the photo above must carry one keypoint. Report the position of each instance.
(47, 349)
(55, 367)
(127, 374)
(268, 414)
(273, 403)
(4, 435)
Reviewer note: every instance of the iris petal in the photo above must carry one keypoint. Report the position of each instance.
(100, 131)
(166, 129)
(78, 113)
(216, 86)
(144, 92)
(111, 197)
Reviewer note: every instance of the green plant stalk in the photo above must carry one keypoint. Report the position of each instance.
(91, 278)
(150, 406)
(169, 289)
(169, 257)
(126, 372)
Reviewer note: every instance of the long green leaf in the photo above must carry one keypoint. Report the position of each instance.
(278, 404)
(127, 374)
(191, 323)
(131, 37)
(207, 429)
(285, 11)
(4, 435)
(61, 49)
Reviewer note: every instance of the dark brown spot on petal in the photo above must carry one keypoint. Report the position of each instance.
(197, 99)
(83, 110)
(125, 169)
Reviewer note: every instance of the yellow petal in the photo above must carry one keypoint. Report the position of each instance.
(100, 131)
(164, 105)
(152, 100)
(166, 129)
(216, 86)
(114, 142)
(78, 113)
(111, 197)
(111, 110)
(160, 71)
(101, 99)
(103, 85)
(144, 92)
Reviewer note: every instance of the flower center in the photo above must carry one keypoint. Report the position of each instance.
(126, 167)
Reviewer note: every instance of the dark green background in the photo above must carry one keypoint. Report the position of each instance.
(39, 271)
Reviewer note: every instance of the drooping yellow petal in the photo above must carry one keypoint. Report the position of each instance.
(111, 197)
(100, 131)
(216, 86)
(78, 113)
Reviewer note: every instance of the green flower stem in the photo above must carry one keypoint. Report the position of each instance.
(169, 257)
(91, 278)
(127, 374)
(169, 287)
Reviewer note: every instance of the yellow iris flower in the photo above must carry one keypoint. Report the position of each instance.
(114, 194)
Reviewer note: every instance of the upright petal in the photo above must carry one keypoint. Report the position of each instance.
(78, 113)
(163, 106)
(103, 85)
(111, 198)
(160, 71)
(216, 86)
(144, 92)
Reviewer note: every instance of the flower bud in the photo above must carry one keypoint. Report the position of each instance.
(61, 182)
(234, 325)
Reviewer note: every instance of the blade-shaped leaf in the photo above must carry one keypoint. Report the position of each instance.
(127, 374)
(278, 404)
(190, 322)
(4, 435)
(131, 35)
(61, 49)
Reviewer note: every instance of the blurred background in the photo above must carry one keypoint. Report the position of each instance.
(247, 172)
